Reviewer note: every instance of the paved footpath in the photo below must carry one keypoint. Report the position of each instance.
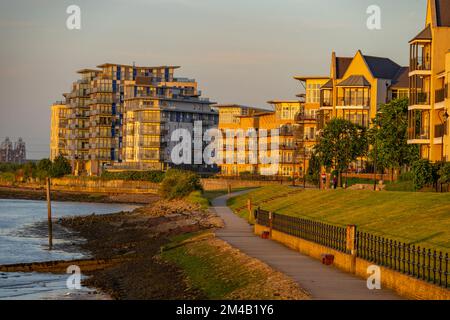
(322, 282)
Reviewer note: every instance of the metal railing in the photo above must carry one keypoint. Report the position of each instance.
(325, 234)
(415, 261)
(418, 262)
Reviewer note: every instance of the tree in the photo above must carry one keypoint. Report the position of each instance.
(44, 167)
(389, 137)
(60, 167)
(341, 143)
(423, 173)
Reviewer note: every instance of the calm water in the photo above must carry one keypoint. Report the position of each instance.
(23, 238)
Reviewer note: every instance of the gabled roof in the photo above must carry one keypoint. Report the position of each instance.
(425, 34)
(401, 79)
(382, 68)
(354, 81)
(443, 13)
(342, 64)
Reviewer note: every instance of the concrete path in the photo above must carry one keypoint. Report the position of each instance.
(322, 282)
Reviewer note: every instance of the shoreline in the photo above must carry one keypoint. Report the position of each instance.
(147, 254)
(67, 196)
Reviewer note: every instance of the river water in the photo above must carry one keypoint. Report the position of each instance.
(23, 238)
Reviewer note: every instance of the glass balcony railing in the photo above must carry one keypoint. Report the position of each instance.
(440, 130)
(440, 95)
(353, 102)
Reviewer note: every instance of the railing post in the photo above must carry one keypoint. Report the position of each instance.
(351, 246)
(251, 217)
(270, 224)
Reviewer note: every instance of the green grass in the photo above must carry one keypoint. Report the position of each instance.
(204, 198)
(213, 272)
(416, 218)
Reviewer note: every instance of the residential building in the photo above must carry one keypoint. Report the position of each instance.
(236, 118)
(354, 89)
(429, 76)
(13, 152)
(120, 117)
(58, 130)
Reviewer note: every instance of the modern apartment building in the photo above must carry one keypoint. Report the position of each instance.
(58, 130)
(120, 117)
(234, 118)
(429, 77)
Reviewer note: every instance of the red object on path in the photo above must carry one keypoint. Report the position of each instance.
(265, 235)
(327, 259)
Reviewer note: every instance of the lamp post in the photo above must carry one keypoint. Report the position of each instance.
(446, 116)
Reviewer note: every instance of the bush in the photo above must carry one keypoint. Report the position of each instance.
(8, 176)
(444, 173)
(422, 173)
(179, 184)
(60, 167)
(406, 176)
(151, 176)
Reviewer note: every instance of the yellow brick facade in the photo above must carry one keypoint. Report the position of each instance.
(429, 78)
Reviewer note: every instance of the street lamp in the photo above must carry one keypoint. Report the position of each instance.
(444, 120)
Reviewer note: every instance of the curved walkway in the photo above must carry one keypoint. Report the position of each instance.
(322, 282)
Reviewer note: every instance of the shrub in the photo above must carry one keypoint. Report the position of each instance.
(179, 184)
(444, 173)
(406, 176)
(60, 167)
(8, 176)
(423, 173)
(151, 176)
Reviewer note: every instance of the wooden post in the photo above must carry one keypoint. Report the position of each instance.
(229, 188)
(351, 245)
(49, 216)
(270, 224)
(251, 217)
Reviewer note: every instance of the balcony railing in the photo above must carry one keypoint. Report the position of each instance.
(423, 134)
(440, 130)
(440, 95)
(353, 101)
(419, 98)
(420, 63)
(326, 103)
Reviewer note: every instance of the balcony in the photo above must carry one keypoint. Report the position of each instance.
(440, 130)
(419, 127)
(419, 99)
(440, 95)
(354, 102)
(420, 64)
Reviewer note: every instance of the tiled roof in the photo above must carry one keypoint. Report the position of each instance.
(425, 34)
(328, 85)
(382, 68)
(342, 64)
(443, 13)
(401, 79)
(354, 81)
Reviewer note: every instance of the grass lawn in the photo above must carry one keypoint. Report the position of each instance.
(416, 218)
(221, 272)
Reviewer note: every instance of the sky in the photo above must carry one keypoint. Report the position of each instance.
(239, 51)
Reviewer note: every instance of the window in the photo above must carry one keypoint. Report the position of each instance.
(313, 93)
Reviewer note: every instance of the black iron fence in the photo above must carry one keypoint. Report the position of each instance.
(415, 261)
(421, 263)
(324, 234)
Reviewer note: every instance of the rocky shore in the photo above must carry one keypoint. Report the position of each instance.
(145, 255)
